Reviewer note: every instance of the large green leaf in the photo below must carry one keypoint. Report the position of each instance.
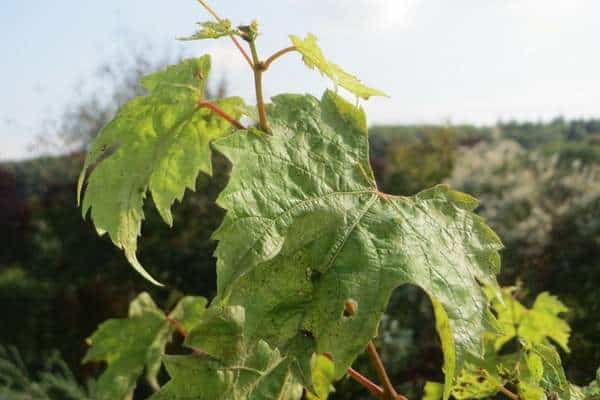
(307, 230)
(313, 57)
(232, 369)
(157, 143)
(128, 345)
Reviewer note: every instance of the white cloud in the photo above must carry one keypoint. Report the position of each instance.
(378, 15)
(384, 14)
(548, 15)
(226, 59)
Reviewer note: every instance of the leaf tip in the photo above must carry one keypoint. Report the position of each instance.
(132, 258)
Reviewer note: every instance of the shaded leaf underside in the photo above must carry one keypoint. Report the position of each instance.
(306, 230)
(131, 344)
(232, 369)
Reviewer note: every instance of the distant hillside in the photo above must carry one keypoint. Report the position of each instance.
(36, 176)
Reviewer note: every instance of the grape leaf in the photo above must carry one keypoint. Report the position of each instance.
(529, 391)
(307, 230)
(534, 325)
(548, 372)
(313, 57)
(157, 143)
(535, 363)
(433, 391)
(188, 311)
(323, 376)
(220, 333)
(128, 345)
(241, 372)
(539, 372)
(211, 30)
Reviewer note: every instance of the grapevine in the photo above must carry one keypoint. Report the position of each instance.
(308, 253)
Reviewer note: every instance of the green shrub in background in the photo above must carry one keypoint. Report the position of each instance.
(55, 381)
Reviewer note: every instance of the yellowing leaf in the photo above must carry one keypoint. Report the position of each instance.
(323, 376)
(534, 325)
(535, 366)
(433, 391)
(534, 362)
(314, 58)
(547, 370)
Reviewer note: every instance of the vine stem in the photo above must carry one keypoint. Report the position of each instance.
(183, 332)
(178, 326)
(508, 393)
(212, 12)
(276, 55)
(389, 393)
(259, 68)
(373, 388)
(221, 113)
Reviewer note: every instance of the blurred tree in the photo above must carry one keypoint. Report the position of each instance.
(422, 162)
(548, 215)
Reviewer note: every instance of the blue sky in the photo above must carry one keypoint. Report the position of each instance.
(461, 61)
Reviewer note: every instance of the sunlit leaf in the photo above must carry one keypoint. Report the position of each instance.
(535, 325)
(157, 143)
(211, 30)
(307, 230)
(323, 377)
(314, 58)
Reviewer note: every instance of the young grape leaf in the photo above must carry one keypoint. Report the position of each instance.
(157, 143)
(128, 345)
(307, 230)
(211, 30)
(433, 391)
(313, 57)
(323, 376)
(481, 377)
(547, 370)
(241, 372)
(535, 325)
(539, 370)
